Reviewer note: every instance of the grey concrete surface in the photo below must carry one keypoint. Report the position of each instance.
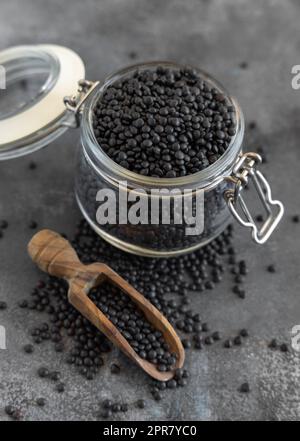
(216, 36)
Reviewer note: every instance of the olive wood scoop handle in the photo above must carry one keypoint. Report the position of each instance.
(55, 255)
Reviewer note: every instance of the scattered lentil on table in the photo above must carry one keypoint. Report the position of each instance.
(33, 225)
(3, 305)
(41, 402)
(157, 279)
(245, 388)
(32, 165)
(3, 224)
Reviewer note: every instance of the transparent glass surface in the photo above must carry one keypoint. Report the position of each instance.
(28, 74)
(96, 171)
(27, 80)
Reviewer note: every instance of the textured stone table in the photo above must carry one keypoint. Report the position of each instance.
(219, 37)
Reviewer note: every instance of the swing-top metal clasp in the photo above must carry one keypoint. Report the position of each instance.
(75, 103)
(243, 171)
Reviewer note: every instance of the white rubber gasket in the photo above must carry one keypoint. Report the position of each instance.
(50, 107)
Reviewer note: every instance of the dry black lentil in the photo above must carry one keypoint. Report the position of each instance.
(9, 410)
(244, 388)
(216, 336)
(237, 289)
(13, 412)
(157, 395)
(141, 404)
(284, 347)
(239, 278)
(107, 413)
(244, 333)
(228, 343)
(296, 218)
(273, 344)
(3, 224)
(116, 407)
(252, 125)
(32, 165)
(41, 402)
(43, 372)
(3, 305)
(115, 369)
(208, 340)
(186, 343)
(132, 55)
(164, 122)
(33, 225)
(55, 376)
(244, 65)
(60, 387)
(171, 384)
(28, 348)
(107, 404)
(237, 340)
(198, 344)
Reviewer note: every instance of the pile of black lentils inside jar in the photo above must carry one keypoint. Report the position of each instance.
(164, 122)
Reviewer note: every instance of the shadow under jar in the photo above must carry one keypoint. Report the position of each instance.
(43, 93)
(216, 187)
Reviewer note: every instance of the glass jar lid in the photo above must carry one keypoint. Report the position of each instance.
(34, 80)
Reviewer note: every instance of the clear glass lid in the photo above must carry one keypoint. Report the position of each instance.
(33, 83)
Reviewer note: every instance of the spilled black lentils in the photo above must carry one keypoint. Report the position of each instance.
(3, 226)
(164, 122)
(147, 341)
(166, 283)
(169, 284)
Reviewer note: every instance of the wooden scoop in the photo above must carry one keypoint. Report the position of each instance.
(54, 255)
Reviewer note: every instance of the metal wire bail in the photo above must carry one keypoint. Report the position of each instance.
(74, 103)
(244, 170)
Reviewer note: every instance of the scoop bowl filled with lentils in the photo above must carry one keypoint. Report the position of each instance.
(155, 126)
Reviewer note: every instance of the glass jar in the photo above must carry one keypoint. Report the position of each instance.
(219, 187)
(217, 183)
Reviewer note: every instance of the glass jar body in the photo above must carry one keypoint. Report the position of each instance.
(148, 239)
(97, 174)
